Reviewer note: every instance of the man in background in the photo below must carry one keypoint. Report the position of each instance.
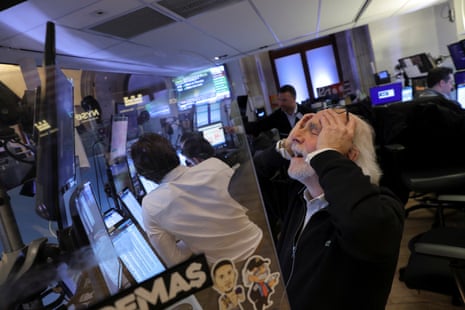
(440, 82)
(283, 118)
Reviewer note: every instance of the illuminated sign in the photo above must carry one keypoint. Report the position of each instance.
(133, 100)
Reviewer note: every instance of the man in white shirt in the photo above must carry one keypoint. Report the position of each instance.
(191, 211)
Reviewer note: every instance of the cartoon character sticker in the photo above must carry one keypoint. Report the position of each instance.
(260, 281)
(224, 275)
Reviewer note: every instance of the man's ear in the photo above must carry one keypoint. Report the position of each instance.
(353, 153)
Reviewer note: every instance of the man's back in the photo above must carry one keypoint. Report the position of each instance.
(194, 205)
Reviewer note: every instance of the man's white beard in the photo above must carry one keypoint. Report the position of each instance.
(300, 171)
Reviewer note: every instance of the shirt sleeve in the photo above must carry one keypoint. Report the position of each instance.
(171, 251)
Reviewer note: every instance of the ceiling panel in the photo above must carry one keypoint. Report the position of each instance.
(236, 29)
(98, 12)
(344, 12)
(181, 37)
(289, 19)
(237, 26)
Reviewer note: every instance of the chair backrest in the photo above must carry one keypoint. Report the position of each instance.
(431, 129)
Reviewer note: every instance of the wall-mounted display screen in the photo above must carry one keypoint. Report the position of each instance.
(204, 86)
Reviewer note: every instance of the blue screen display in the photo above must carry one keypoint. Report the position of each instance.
(386, 93)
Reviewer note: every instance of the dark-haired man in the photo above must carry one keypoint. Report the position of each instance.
(283, 119)
(440, 82)
(191, 211)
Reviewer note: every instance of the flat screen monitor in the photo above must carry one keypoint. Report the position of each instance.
(147, 184)
(132, 112)
(203, 86)
(54, 137)
(459, 77)
(214, 133)
(384, 94)
(382, 77)
(132, 248)
(91, 230)
(215, 112)
(407, 93)
(133, 206)
(120, 176)
(118, 138)
(461, 95)
(55, 161)
(457, 54)
(417, 65)
(137, 187)
(201, 115)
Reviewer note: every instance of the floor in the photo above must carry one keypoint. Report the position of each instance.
(403, 298)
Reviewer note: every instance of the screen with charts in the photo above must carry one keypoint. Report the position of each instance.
(91, 220)
(387, 93)
(461, 95)
(204, 86)
(132, 248)
(214, 133)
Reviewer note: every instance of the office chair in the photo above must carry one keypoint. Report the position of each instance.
(437, 263)
(421, 141)
(421, 153)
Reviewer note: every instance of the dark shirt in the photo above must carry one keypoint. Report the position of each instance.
(277, 119)
(346, 256)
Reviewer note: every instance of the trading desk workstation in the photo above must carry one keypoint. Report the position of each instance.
(102, 253)
(88, 190)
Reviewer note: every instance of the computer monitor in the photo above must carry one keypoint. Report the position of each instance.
(147, 184)
(407, 93)
(54, 138)
(119, 176)
(417, 65)
(461, 95)
(118, 139)
(90, 230)
(457, 54)
(136, 185)
(132, 248)
(132, 205)
(384, 94)
(382, 77)
(214, 133)
(459, 77)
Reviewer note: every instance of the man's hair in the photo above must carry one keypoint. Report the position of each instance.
(437, 75)
(154, 156)
(364, 142)
(288, 89)
(197, 147)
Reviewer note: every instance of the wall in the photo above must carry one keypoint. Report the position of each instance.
(428, 30)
